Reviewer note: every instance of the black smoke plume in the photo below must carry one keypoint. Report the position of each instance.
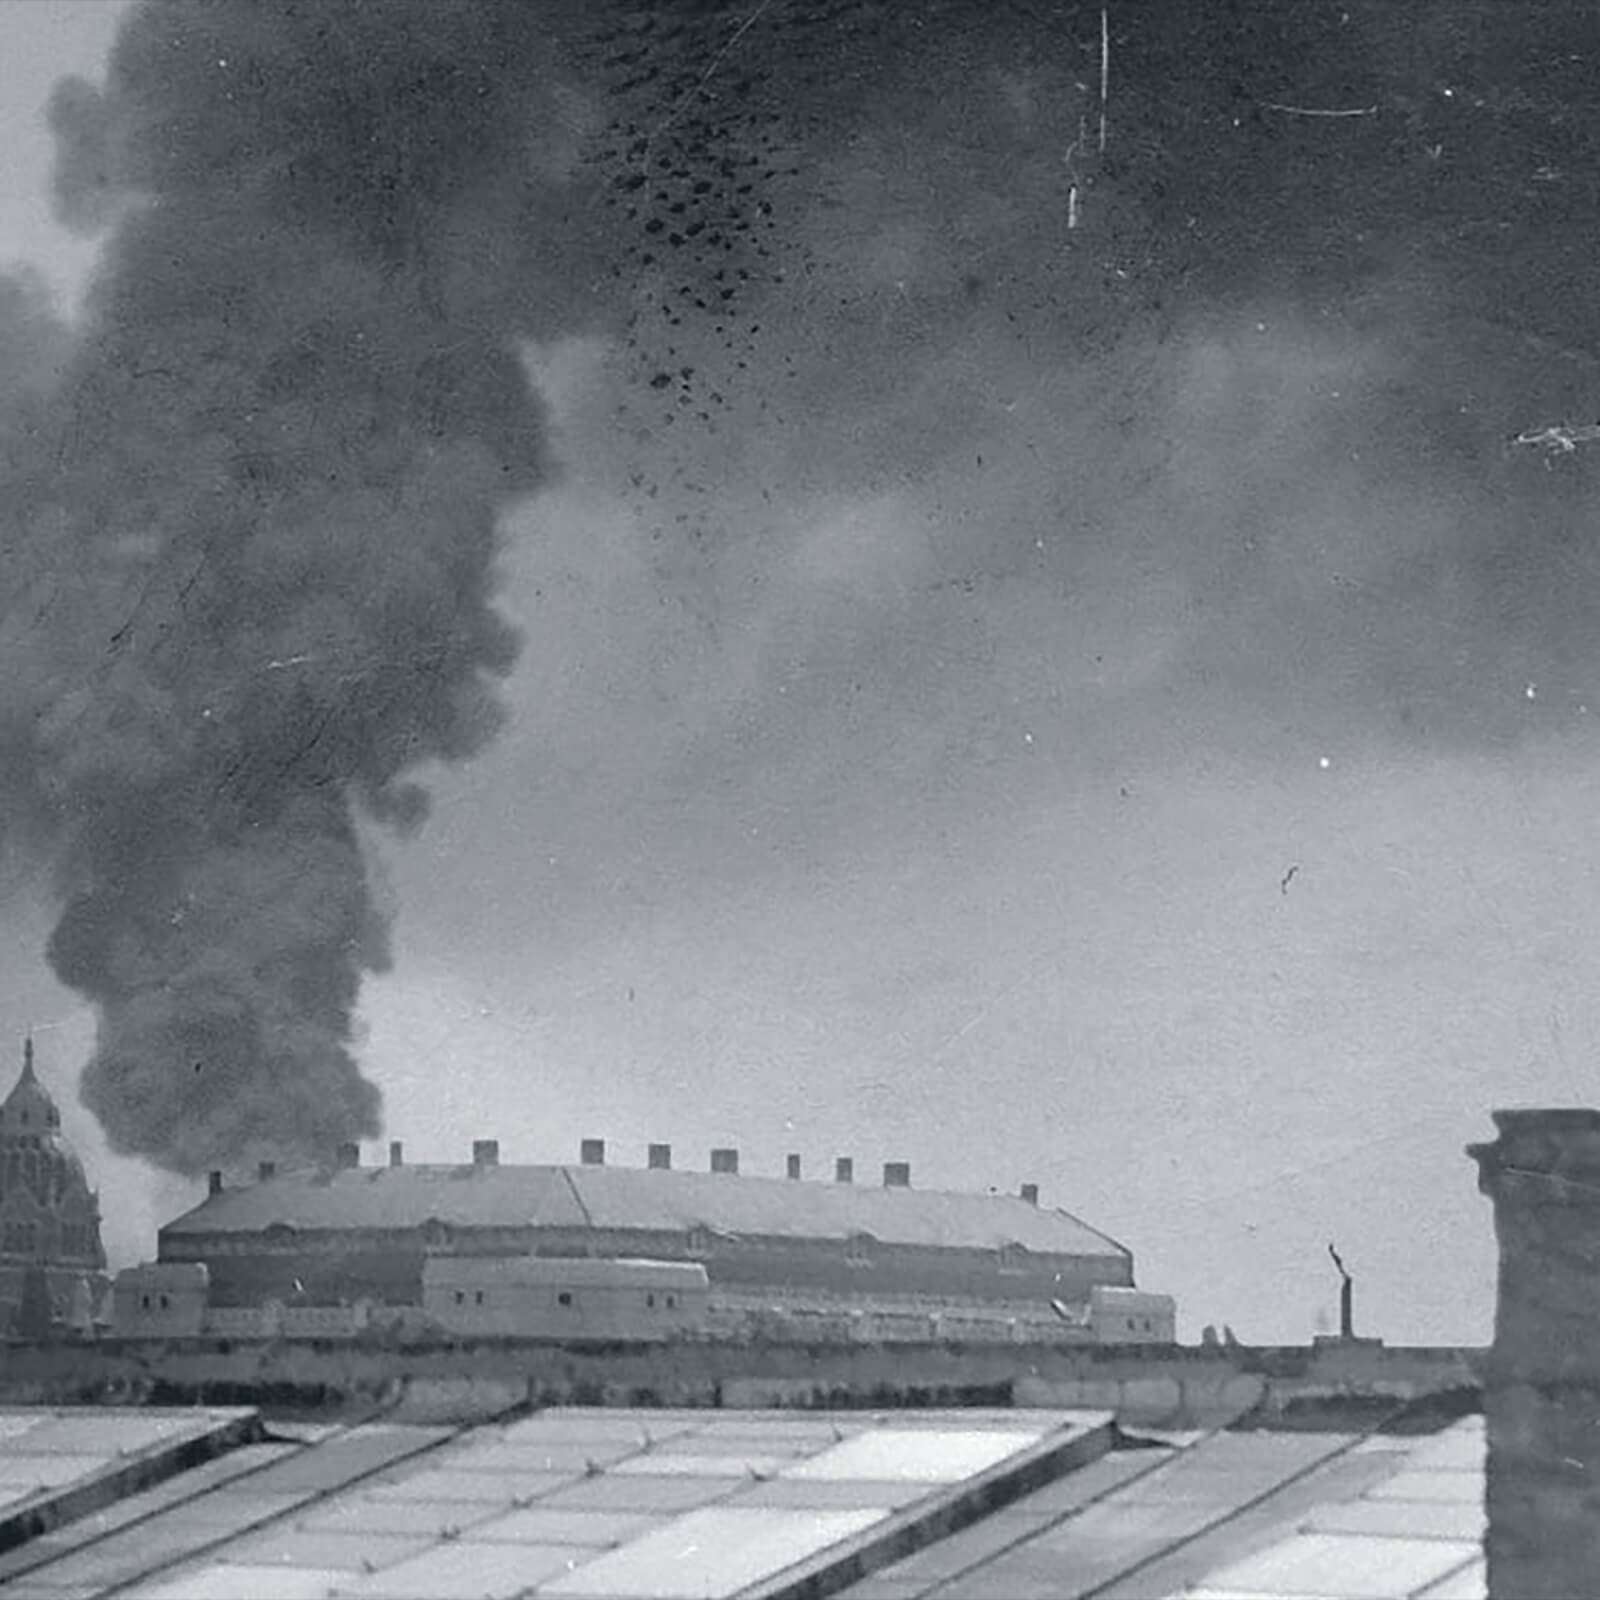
(252, 530)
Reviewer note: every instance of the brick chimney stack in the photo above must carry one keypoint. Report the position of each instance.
(1542, 1384)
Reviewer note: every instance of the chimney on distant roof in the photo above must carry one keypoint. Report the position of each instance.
(661, 1157)
(725, 1160)
(794, 1166)
(397, 1153)
(267, 1171)
(897, 1174)
(349, 1155)
(486, 1152)
(844, 1170)
(1030, 1193)
(213, 1183)
(592, 1152)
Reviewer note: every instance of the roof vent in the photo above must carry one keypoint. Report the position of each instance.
(213, 1183)
(844, 1170)
(726, 1160)
(794, 1166)
(1030, 1193)
(486, 1152)
(397, 1153)
(267, 1171)
(661, 1157)
(592, 1152)
(349, 1155)
(897, 1174)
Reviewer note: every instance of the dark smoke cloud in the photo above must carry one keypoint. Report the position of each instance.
(878, 399)
(253, 541)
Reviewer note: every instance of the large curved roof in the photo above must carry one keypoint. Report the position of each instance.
(648, 1199)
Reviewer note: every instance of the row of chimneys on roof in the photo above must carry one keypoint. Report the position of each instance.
(592, 1153)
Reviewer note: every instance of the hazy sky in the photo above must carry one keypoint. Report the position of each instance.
(1023, 715)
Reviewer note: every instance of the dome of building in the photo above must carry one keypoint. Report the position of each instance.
(49, 1216)
(30, 1121)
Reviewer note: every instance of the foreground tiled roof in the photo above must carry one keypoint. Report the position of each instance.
(656, 1200)
(1228, 1516)
(955, 1505)
(563, 1503)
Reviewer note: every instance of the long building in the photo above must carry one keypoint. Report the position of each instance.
(350, 1232)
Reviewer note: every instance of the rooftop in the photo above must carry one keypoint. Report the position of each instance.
(664, 1200)
(926, 1505)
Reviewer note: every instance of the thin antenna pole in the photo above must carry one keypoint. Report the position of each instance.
(1105, 72)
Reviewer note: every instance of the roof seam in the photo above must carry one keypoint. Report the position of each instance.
(572, 1184)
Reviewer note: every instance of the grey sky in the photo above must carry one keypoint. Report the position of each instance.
(1106, 768)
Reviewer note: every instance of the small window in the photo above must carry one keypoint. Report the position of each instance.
(649, 1299)
(165, 1302)
(477, 1298)
(144, 1302)
(672, 1300)
(564, 1299)
(461, 1298)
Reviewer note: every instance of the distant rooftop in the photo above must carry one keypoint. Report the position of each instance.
(665, 1200)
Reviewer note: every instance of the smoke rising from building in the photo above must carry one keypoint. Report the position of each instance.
(251, 528)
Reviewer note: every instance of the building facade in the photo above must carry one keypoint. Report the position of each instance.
(52, 1264)
(770, 1247)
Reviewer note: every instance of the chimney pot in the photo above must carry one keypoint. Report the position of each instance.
(349, 1155)
(897, 1174)
(486, 1152)
(661, 1157)
(794, 1166)
(267, 1170)
(1030, 1193)
(213, 1183)
(397, 1155)
(592, 1152)
(725, 1160)
(844, 1170)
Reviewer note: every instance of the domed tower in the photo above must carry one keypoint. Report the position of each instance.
(49, 1216)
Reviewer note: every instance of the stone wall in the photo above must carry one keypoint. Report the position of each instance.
(1175, 1388)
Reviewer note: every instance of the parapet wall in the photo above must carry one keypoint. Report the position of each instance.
(1170, 1386)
